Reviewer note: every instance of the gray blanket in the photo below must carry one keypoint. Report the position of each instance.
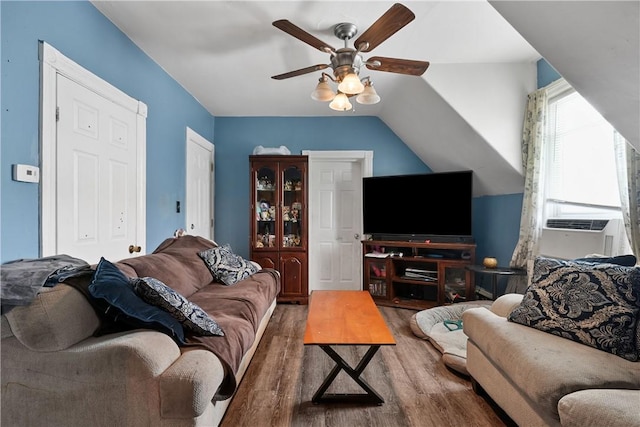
(22, 279)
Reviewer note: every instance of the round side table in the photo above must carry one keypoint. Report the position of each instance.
(494, 273)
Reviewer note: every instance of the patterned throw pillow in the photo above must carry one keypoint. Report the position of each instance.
(191, 316)
(594, 304)
(226, 266)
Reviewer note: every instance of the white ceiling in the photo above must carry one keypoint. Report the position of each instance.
(224, 53)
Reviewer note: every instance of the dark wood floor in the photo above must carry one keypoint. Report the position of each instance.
(418, 389)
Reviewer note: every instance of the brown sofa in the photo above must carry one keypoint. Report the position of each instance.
(57, 372)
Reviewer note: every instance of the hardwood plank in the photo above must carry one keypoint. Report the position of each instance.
(418, 389)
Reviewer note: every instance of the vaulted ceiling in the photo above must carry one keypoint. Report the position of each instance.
(465, 112)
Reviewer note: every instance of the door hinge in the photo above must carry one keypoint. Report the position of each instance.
(57, 114)
(211, 222)
(211, 167)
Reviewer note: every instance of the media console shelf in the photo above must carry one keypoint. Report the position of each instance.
(418, 275)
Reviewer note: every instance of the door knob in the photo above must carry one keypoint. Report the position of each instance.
(356, 236)
(193, 226)
(133, 248)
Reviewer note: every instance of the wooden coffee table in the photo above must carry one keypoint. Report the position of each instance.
(338, 318)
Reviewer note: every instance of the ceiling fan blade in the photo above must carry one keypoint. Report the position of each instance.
(300, 72)
(387, 25)
(302, 35)
(394, 65)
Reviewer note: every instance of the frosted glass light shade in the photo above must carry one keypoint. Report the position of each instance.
(340, 103)
(351, 84)
(323, 92)
(369, 96)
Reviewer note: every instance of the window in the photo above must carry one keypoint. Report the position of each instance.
(581, 182)
(581, 179)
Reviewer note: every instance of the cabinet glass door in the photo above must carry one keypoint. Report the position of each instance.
(266, 208)
(292, 214)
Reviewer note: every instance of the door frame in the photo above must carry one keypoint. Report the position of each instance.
(196, 138)
(365, 158)
(52, 63)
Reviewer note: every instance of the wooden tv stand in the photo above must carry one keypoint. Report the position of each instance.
(418, 275)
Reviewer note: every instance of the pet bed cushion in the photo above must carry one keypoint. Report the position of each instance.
(448, 338)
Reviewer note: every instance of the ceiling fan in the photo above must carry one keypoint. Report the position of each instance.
(346, 62)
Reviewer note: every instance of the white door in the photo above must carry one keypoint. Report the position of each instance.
(93, 151)
(335, 218)
(200, 185)
(96, 175)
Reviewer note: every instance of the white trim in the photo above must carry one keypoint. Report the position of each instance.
(209, 146)
(366, 157)
(141, 144)
(558, 88)
(52, 63)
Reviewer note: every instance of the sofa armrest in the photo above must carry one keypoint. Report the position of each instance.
(188, 386)
(505, 304)
(108, 360)
(600, 408)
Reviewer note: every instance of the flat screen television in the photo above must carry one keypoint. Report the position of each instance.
(433, 206)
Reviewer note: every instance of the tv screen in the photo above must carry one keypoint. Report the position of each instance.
(426, 206)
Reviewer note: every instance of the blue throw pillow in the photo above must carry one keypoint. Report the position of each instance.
(111, 285)
(593, 304)
(191, 316)
(624, 260)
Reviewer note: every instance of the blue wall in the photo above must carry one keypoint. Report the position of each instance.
(84, 35)
(236, 138)
(546, 73)
(496, 226)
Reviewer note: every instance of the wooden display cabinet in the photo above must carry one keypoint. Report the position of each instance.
(279, 221)
(418, 275)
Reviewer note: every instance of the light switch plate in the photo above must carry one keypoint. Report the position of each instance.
(26, 173)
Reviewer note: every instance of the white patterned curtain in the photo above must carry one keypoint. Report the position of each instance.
(532, 161)
(628, 167)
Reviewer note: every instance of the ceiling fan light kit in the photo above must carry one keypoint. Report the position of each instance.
(369, 95)
(340, 103)
(323, 91)
(347, 62)
(351, 84)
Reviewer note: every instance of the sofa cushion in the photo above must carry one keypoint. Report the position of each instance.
(192, 317)
(111, 285)
(227, 267)
(593, 304)
(44, 324)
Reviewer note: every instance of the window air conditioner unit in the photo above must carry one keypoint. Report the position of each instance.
(576, 238)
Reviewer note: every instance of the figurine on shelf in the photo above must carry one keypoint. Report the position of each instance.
(288, 185)
(265, 183)
(264, 209)
(295, 215)
(297, 185)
